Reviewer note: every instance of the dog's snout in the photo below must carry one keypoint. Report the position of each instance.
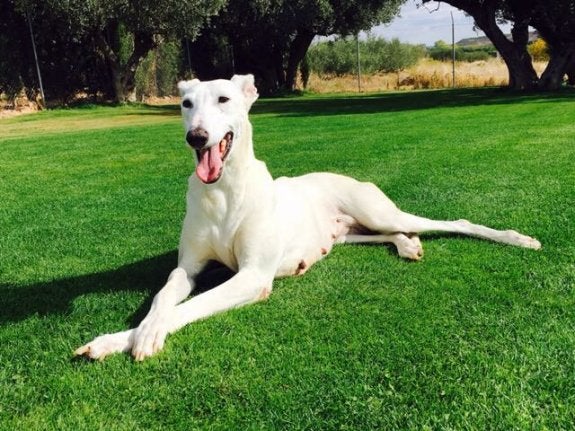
(197, 137)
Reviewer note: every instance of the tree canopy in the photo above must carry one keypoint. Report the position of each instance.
(119, 32)
(96, 46)
(271, 37)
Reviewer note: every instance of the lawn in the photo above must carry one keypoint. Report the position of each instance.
(476, 336)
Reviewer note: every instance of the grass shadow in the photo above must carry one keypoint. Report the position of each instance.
(406, 101)
(147, 276)
(57, 297)
(349, 104)
(169, 110)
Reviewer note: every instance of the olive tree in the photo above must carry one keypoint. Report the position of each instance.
(122, 32)
(271, 37)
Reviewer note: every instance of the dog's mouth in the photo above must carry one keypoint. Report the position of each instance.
(211, 160)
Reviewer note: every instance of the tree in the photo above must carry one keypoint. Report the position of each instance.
(67, 63)
(555, 22)
(486, 14)
(271, 37)
(14, 42)
(122, 32)
(570, 71)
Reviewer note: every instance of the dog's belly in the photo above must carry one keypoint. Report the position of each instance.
(309, 222)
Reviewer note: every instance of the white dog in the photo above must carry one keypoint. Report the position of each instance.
(261, 228)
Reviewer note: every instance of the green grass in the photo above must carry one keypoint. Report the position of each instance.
(476, 336)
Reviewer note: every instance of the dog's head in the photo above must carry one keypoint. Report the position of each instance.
(213, 114)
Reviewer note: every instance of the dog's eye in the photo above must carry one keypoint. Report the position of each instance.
(223, 99)
(187, 103)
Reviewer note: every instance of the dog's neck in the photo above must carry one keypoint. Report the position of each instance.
(242, 158)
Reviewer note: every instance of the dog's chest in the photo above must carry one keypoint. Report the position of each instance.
(213, 222)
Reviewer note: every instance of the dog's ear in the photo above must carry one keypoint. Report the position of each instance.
(246, 84)
(185, 86)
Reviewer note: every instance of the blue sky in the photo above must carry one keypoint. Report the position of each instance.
(428, 24)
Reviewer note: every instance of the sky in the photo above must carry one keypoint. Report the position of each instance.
(428, 24)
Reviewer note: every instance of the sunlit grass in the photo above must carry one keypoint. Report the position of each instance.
(87, 119)
(476, 336)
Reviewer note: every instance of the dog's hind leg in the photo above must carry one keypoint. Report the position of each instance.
(416, 224)
(407, 247)
(372, 209)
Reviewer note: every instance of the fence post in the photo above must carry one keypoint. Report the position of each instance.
(452, 50)
(36, 58)
(358, 66)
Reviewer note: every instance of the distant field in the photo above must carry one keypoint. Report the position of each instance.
(476, 336)
(426, 74)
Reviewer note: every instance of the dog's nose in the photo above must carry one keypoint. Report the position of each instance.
(197, 137)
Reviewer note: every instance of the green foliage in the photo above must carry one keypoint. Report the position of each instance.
(272, 36)
(12, 50)
(182, 18)
(88, 42)
(124, 46)
(333, 57)
(68, 63)
(477, 336)
(441, 51)
(159, 72)
(339, 57)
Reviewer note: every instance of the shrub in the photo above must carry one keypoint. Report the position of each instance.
(339, 57)
(538, 50)
(441, 51)
(158, 73)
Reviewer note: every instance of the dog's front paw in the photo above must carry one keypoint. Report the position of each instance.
(106, 345)
(150, 337)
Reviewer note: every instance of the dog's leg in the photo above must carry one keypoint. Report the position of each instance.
(416, 224)
(407, 247)
(372, 209)
(154, 328)
(177, 289)
(246, 287)
(107, 344)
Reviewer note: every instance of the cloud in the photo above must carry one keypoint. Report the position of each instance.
(426, 25)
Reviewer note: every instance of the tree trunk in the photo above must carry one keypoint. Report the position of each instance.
(559, 63)
(269, 82)
(571, 72)
(123, 76)
(522, 75)
(143, 44)
(266, 68)
(297, 52)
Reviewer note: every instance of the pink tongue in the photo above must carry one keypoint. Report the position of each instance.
(209, 165)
